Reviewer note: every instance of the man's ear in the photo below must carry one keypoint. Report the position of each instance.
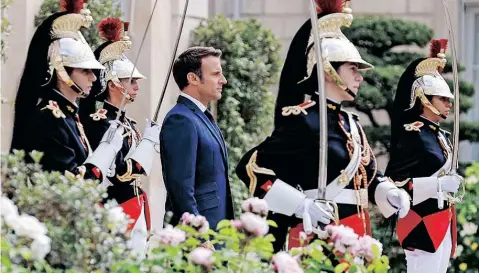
(192, 78)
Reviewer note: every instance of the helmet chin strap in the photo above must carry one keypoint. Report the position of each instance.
(67, 80)
(348, 91)
(336, 78)
(63, 75)
(419, 93)
(425, 102)
(117, 83)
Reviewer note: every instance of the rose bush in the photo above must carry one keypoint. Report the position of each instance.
(55, 223)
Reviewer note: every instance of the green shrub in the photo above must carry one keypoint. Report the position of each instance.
(466, 257)
(85, 236)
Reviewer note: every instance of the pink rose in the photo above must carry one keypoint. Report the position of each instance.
(284, 263)
(256, 205)
(364, 248)
(254, 224)
(186, 218)
(171, 236)
(201, 256)
(343, 237)
(237, 224)
(197, 222)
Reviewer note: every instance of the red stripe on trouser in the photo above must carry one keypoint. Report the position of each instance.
(133, 209)
(147, 212)
(453, 230)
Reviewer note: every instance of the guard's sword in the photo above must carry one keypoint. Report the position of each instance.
(125, 92)
(455, 73)
(323, 124)
(173, 55)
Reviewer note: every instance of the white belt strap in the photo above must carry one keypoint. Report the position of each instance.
(336, 186)
(346, 196)
(448, 164)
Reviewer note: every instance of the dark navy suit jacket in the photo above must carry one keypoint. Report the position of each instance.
(195, 165)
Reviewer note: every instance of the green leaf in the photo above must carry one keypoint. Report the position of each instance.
(341, 267)
(223, 224)
(269, 238)
(272, 223)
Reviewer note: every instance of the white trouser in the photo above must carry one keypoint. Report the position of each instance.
(139, 234)
(419, 261)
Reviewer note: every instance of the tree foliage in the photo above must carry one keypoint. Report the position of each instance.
(378, 39)
(251, 63)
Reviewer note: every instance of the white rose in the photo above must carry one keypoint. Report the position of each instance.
(472, 180)
(40, 247)
(8, 207)
(116, 214)
(26, 226)
(468, 229)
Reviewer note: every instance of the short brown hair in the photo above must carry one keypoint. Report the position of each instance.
(190, 61)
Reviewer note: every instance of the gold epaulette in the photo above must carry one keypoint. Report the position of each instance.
(99, 115)
(296, 110)
(252, 168)
(416, 126)
(56, 111)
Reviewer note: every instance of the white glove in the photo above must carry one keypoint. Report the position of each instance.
(314, 214)
(110, 144)
(113, 136)
(147, 149)
(450, 183)
(430, 187)
(399, 199)
(152, 132)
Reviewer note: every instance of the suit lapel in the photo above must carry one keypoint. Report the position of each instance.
(208, 123)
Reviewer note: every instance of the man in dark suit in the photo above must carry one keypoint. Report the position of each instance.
(193, 152)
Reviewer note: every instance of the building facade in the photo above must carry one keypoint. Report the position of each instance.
(283, 17)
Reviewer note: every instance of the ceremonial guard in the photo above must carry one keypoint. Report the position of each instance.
(136, 156)
(57, 72)
(421, 156)
(283, 169)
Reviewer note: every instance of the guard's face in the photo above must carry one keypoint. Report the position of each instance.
(350, 75)
(442, 104)
(132, 88)
(84, 78)
(210, 86)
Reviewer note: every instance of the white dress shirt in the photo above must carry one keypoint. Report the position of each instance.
(194, 100)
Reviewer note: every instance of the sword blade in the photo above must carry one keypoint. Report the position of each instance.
(125, 92)
(455, 148)
(163, 91)
(323, 129)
